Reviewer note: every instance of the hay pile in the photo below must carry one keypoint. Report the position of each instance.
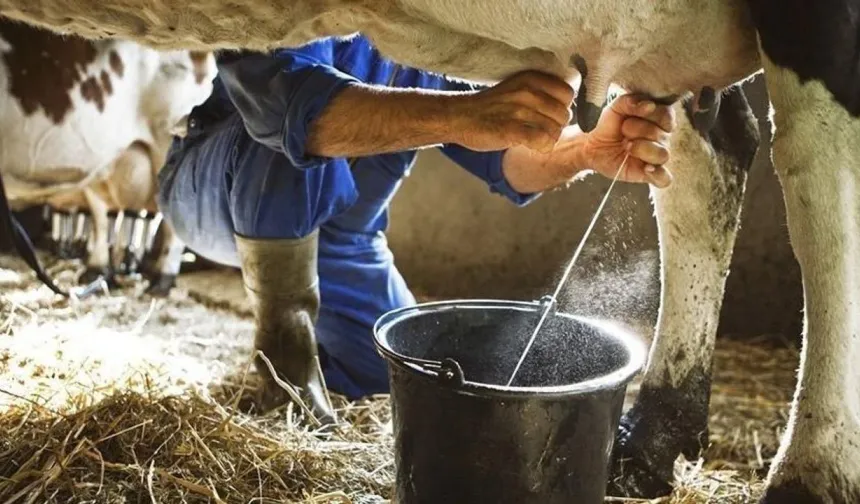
(151, 447)
(124, 399)
(132, 447)
(135, 448)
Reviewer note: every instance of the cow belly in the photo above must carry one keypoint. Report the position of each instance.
(35, 149)
(661, 47)
(665, 47)
(74, 108)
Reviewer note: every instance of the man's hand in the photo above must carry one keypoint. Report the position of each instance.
(628, 125)
(529, 109)
(635, 126)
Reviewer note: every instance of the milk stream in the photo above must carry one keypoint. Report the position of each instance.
(567, 271)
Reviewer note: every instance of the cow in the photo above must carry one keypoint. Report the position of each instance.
(692, 53)
(86, 125)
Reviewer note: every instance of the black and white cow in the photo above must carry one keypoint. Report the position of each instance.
(691, 52)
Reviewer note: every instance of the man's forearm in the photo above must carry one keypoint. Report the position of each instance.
(366, 120)
(530, 171)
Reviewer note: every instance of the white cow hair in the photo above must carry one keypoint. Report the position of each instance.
(817, 156)
(625, 41)
(695, 252)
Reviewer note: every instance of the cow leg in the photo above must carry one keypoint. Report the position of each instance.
(131, 185)
(98, 261)
(697, 218)
(816, 151)
(163, 271)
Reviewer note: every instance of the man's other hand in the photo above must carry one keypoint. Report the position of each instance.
(628, 125)
(636, 126)
(529, 109)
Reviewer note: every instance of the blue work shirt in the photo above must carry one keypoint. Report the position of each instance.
(252, 175)
(279, 96)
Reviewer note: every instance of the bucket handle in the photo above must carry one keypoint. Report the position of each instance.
(448, 370)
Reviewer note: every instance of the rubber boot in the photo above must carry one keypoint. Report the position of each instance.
(281, 281)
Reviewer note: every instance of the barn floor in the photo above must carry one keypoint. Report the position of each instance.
(123, 398)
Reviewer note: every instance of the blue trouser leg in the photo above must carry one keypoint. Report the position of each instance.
(355, 374)
(223, 183)
(358, 285)
(192, 193)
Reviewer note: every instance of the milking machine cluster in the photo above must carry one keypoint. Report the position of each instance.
(131, 235)
(68, 233)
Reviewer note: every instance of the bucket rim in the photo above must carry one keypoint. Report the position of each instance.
(621, 377)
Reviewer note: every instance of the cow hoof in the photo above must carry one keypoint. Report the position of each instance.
(634, 482)
(663, 423)
(632, 475)
(793, 492)
(831, 478)
(90, 275)
(838, 490)
(161, 285)
(818, 463)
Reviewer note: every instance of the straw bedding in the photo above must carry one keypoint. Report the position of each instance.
(123, 399)
(133, 447)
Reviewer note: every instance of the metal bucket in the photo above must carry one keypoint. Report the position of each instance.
(462, 435)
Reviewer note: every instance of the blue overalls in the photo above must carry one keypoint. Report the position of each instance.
(243, 169)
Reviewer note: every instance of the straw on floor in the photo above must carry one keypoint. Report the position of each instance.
(134, 447)
(152, 434)
(148, 447)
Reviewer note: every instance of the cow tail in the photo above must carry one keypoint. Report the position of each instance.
(22, 242)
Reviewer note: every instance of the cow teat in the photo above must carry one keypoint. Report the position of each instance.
(703, 108)
(587, 112)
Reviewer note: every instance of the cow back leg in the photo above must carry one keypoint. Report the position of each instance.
(164, 267)
(131, 185)
(98, 260)
(816, 151)
(697, 220)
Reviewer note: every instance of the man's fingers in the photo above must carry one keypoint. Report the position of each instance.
(639, 172)
(658, 176)
(649, 152)
(535, 119)
(636, 128)
(535, 131)
(663, 117)
(549, 84)
(545, 104)
(535, 138)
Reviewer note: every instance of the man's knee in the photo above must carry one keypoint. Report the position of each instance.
(192, 205)
(341, 378)
(351, 364)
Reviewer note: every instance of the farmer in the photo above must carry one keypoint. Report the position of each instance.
(288, 169)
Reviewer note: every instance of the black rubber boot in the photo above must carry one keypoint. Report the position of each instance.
(281, 281)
